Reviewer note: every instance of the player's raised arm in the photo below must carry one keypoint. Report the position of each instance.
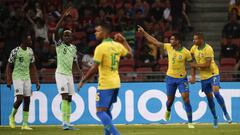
(150, 38)
(120, 38)
(56, 35)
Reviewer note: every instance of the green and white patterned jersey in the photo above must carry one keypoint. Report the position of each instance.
(21, 60)
(65, 57)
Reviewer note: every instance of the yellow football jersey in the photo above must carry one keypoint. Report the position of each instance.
(107, 55)
(200, 56)
(177, 61)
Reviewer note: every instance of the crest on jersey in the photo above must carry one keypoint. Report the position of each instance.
(180, 57)
(62, 89)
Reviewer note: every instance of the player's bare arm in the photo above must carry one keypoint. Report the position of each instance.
(150, 38)
(9, 70)
(33, 71)
(204, 65)
(120, 38)
(92, 71)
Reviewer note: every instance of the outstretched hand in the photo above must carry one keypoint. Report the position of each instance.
(140, 29)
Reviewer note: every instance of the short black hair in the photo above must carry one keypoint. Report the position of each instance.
(106, 26)
(199, 34)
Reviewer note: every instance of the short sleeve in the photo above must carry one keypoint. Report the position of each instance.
(32, 59)
(188, 56)
(98, 55)
(209, 53)
(166, 46)
(13, 55)
(124, 51)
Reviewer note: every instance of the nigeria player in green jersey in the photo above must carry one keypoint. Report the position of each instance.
(66, 59)
(20, 65)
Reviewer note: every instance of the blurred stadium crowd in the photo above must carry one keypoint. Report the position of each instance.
(161, 18)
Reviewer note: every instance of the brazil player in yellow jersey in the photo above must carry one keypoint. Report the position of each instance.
(176, 77)
(209, 73)
(106, 60)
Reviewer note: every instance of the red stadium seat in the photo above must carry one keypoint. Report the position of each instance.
(127, 63)
(228, 62)
(163, 62)
(226, 73)
(47, 75)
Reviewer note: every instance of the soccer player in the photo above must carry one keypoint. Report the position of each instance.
(106, 57)
(66, 59)
(209, 72)
(176, 73)
(20, 64)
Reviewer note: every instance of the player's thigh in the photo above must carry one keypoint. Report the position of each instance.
(104, 98)
(215, 83)
(27, 88)
(183, 85)
(61, 81)
(206, 86)
(70, 85)
(18, 87)
(171, 86)
(114, 97)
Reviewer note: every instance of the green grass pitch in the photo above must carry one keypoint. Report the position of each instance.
(156, 129)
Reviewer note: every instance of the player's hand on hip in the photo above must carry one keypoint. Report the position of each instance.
(80, 84)
(192, 80)
(37, 86)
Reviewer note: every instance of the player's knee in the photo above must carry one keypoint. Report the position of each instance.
(64, 96)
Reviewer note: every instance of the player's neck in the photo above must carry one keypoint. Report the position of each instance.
(201, 46)
(24, 47)
(178, 47)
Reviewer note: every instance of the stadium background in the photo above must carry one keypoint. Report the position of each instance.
(217, 19)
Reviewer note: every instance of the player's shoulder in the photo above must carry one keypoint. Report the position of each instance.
(73, 46)
(208, 46)
(185, 50)
(193, 47)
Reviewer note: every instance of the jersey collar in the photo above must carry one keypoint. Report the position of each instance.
(107, 40)
(202, 47)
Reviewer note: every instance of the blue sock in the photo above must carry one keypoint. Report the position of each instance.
(188, 109)
(221, 102)
(212, 106)
(107, 122)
